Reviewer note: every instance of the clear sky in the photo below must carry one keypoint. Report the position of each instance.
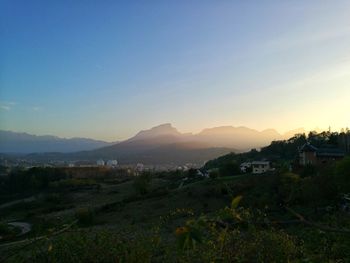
(106, 69)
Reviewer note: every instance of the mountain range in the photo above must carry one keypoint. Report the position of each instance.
(162, 144)
(16, 142)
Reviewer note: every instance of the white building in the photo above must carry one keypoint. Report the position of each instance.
(112, 163)
(139, 167)
(260, 167)
(100, 162)
(244, 166)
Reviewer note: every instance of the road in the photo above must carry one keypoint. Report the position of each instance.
(29, 199)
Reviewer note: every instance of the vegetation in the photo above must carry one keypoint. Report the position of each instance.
(282, 216)
(142, 183)
(284, 151)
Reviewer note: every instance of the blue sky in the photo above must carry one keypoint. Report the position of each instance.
(106, 69)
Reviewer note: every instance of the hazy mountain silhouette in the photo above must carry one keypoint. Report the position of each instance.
(165, 144)
(241, 138)
(161, 130)
(158, 145)
(162, 144)
(15, 142)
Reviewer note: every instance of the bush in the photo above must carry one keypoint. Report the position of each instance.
(89, 247)
(142, 183)
(342, 173)
(214, 174)
(309, 170)
(229, 169)
(53, 198)
(288, 187)
(261, 246)
(8, 232)
(85, 216)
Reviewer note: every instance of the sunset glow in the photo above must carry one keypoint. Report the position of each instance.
(108, 70)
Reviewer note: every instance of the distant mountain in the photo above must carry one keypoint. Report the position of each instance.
(14, 142)
(161, 130)
(158, 145)
(240, 138)
(165, 144)
(162, 144)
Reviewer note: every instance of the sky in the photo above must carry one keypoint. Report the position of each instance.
(107, 69)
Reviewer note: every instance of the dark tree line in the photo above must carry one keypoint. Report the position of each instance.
(286, 150)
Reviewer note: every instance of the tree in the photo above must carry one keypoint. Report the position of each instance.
(192, 173)
(342, 173)
(142, 183)
(214, 174)
(229, 169)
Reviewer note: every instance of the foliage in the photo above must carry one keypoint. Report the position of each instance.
(73, 183)
(229, 242)
(309, 170)
(229, 169)
(192, 173)
(7, 232)
(190, 235)
(287, 185)
(255, 225)
(283, 150)
(34, 179)
(342, 172)
(216, 163)
(142, 183)
(85, 216)
(214, 174)
(87, 246)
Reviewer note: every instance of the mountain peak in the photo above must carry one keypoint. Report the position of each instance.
(271, 131)
(165, 129)
(163, 126)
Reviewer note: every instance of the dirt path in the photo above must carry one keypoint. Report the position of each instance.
(25, 200)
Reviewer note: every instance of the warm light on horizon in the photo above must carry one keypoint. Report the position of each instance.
(81, 72)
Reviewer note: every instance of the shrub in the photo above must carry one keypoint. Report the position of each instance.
(214, 174)
(309, 170)
(142, 183)
(8, 232)
(229, 169)
(85, 216)
(342, 173)
(90, 247)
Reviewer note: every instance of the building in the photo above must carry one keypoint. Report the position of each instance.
(139, 167)
(112, 163)
(100, 162)
(260, 167)
(310, 154)
(245, 166)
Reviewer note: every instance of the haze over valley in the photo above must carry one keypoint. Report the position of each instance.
(162, 144)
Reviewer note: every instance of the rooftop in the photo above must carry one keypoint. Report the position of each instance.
(260, 162)
(326, 150)
(308, 147)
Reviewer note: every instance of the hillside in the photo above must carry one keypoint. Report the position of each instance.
(99, 214)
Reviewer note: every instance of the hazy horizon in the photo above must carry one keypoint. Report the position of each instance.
(120, 139)
(108, 70)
